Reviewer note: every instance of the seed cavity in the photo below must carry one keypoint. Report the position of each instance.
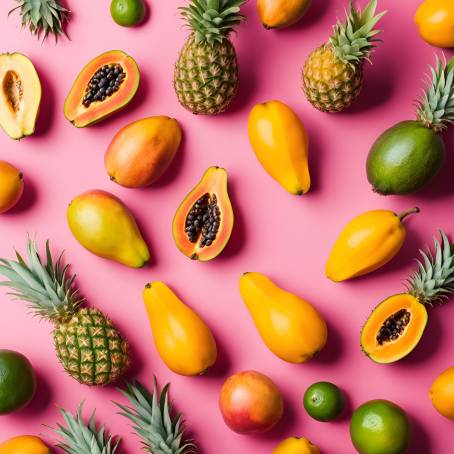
(393, 327)
(104, 83)
(14, 90)
(203, 220)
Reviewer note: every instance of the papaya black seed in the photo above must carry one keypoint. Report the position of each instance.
(394, 326)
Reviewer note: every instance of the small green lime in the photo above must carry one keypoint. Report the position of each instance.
(17, 381)
(127, 12)
(324, 401)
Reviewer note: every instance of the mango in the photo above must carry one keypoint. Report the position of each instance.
(281, 13)
(442, 393)
(182, 338)
(290, 327)
(141, 152)
(24, 444)
(295, 445)
(102, 223)
(11, 186)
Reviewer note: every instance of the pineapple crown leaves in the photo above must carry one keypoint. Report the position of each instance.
(434, 279)
(48, 288)
(353, 41)
(43, 16)
(212, 20)
(160, 431)
(80, 438)
(435, 107)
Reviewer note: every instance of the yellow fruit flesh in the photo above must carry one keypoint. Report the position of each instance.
(442, 393)
(280, 143)
(11, 186)
(296, 445)
(290, 327)
(281, 13)
(435, 21)
(183, 340)
(24, 444)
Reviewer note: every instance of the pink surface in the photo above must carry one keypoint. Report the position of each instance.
(286, 237)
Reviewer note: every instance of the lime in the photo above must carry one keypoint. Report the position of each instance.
(127, 12)
(380, 427)
(17, 381)
(324, 401)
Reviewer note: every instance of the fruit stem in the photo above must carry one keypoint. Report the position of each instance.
(403, 215)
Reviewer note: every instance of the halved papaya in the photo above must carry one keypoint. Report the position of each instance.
(394, 328)
(204, 221)
(104, 86)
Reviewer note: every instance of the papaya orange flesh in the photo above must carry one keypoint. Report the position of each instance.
(394, 328)
(204, 221)
(82, 113)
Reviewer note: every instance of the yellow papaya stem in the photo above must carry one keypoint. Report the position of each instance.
(410, 211)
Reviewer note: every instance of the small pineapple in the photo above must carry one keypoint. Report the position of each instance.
(206, 73)
(333, 73)
(80, 438)
(160, 431)
(43, 16)
(87, 344)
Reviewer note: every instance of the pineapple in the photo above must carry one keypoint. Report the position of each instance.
(43, 16)
(206, 73)
(333, 73)
(80, 438)
(87, 344)
(160, 431)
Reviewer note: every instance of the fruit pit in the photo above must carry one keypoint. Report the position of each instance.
(13, 90)
(104, 83)
(393, 327)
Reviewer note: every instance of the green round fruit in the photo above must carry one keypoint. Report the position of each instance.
(380, 427)
(404, 158)
(324, 401)
(17, 381)
(127, 12)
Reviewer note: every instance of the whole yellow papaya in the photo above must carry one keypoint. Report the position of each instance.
(290, 327)
(368, 242)
(24, 444)
(280, 143)
(295, 445)
(281, 13)
(183, 340)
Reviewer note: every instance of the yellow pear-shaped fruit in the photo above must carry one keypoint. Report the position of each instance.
(183, 340)
(442, 393)
(367, 242)
(280, 143)
(281, 13)
(290, 327)
(295, 445)
(102, 223)
(24, 444)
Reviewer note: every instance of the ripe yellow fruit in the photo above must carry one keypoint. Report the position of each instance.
(442, 393)
(24, 444)
(11, 186)
(280, 143)
(281, 13)
(435, 21)
(296, 445)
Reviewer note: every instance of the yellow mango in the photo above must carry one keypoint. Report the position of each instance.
(281, 13)
(24, 444)
(183, 340)
(11, 186)
(368, 242)
(442, 393)
(280, 143)
(290, 327)
(101, 223)
(295, 445)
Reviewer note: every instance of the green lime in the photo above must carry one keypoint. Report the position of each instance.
(324, 401)
(127, 12)
(17, 381)
(380, 427)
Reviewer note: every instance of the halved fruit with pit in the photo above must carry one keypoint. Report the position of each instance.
(105, 85)
(204, 221)
(20, 95)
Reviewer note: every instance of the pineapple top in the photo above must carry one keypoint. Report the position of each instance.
(80, 438)
(48, 288)
(434, 280)
(436, 104)
(43, 16)
(212, 20)
(161, 432)
(353, 41)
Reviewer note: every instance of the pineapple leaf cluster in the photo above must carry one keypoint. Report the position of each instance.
(48, 288)
(434, 280)
(160, 431)
(436, 104)
(212, 20)
(353, 40)
(81, 438)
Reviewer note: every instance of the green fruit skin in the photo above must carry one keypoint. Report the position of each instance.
(380, 427)
(324, 401)
(17, 381)
(127, 13)
(404, 158)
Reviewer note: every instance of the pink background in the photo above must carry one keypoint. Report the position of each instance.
(286, 237)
